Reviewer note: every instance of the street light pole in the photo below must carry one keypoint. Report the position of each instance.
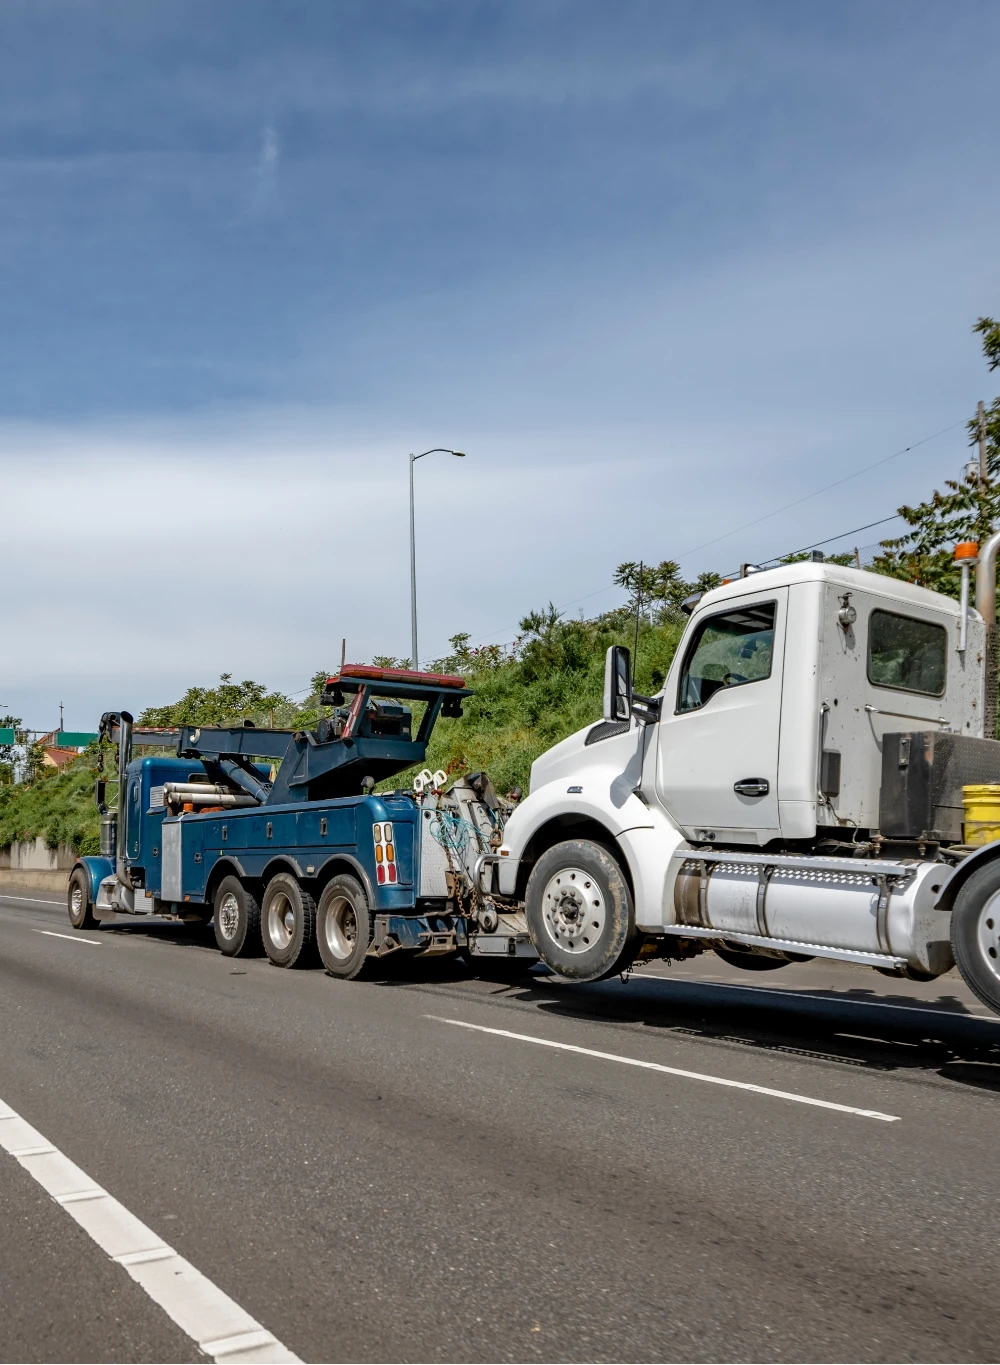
(443, 450)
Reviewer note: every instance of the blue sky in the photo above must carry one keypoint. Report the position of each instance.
(660, 268)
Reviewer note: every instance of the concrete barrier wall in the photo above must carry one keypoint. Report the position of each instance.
(34, 855)
(41, 881)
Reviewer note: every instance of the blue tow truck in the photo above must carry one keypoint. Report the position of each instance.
(278, 838)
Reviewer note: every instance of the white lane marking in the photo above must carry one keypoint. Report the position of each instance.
(779, 992)
(672, 1070)
(33, 900)
(219, 1326)
(71, 937)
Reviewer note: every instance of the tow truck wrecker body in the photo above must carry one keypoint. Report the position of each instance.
(252, 827)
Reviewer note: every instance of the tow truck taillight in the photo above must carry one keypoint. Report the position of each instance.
(385, 853)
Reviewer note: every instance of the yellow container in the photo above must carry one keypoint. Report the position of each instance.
(982, 812)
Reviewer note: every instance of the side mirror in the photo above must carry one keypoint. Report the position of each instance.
(618, 684)
(100, 790)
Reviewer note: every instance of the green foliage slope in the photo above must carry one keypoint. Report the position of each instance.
(57, 807)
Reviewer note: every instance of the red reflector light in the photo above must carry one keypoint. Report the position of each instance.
(392, 872)
(381, 872)
(372, 674)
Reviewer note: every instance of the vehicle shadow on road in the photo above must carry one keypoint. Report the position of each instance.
(849, 1029)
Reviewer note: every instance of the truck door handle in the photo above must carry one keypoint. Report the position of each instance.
(752, 786)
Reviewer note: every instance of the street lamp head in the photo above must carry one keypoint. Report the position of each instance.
(459, 453)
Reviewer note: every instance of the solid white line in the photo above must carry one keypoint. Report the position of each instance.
(219, 1326)
(72, 937)
(33, 900)
(672, 1070)
(778, 992)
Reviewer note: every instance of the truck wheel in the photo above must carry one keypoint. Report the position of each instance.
(288, 916)
(79, 904)
(579, 912)
(236, 919)
(344, 926)
(975, 934)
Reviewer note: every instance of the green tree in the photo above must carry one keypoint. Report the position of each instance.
(659, 590)
(964, 511)
(9, 752)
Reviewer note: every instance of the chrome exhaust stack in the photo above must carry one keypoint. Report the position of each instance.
(116, 726)
(986, 605)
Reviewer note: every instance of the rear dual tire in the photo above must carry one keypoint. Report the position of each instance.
(236, 919)
(288, 920)
(345, 926)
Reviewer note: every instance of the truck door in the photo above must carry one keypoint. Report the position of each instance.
(133, 818)
(717, 764)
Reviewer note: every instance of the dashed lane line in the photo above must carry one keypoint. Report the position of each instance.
(221, 1328)
(671, 1070)
(71, 938)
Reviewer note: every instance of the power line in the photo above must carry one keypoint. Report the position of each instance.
(825, 489)
(774, 559)
(836, 484)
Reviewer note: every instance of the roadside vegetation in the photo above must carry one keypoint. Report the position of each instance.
(530, 695)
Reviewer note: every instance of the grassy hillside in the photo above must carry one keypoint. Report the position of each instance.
(523, 704)
(57, 807)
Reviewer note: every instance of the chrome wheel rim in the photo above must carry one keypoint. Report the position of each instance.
(76, 901)
(573, 910)
(340, 929)
(988, 935)
(229, 916)
(280, 920)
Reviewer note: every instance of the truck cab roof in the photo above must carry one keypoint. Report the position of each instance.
(851, 580)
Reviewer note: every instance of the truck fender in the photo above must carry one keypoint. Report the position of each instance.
(345, 862)
(959, 875)
(96, 869)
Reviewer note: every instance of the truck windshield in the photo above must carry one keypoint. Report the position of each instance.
(907, 654)
(727, 650)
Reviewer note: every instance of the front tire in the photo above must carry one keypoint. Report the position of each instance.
(975, 934)
(236, 920)
(78, 902)
(288, 916)
(579, 912)
(344, 927)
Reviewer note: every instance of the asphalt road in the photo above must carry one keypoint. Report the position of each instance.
(371, 1182)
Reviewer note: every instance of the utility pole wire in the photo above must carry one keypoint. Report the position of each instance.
(825, 489)
(896, 453)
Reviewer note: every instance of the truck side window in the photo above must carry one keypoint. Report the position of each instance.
(907, 654)
(727, 650)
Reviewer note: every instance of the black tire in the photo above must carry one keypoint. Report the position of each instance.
(78, 902)
(975, 934)
(288, 922)
(236, 920)
(751, 962)
(344, 926)
(579, 912)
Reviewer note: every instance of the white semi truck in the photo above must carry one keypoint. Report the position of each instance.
(793, 792)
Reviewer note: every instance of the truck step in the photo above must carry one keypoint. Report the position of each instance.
(786, 945)
(872, 867)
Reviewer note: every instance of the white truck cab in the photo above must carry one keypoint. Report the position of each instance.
(793, 791)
